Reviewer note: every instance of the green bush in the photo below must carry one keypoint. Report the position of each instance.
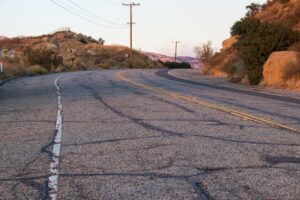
(257, 41)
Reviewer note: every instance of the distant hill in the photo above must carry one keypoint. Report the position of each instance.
(3, 37)
(67, 51)
(163, 58)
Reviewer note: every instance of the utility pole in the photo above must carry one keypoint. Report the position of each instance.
(131, 5)
(176, 46)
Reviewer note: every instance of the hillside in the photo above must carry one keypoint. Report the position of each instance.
(64, 51)
(251, 55)
(3, 37)
(285, 12)
(194, 62)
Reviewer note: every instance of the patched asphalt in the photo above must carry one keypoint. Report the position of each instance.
(124, 142)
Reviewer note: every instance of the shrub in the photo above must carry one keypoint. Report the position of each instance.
(85, 39)
(253, 9)
(44, 57)
(175, 65)
(235, 68)
(257, 41)
(14, 71)
(204, 52)
(36, 70)
(244, 25)
(101, 41)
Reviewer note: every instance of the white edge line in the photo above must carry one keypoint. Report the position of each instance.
(53, 178)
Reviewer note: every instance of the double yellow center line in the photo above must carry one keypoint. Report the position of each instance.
(200, 102)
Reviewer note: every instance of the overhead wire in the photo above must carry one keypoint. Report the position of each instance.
(93, 14)
(152, 31)
(148, 31)
(150, 21)
(146, 38)
(89, 16)
(116, 34)
(81, 16)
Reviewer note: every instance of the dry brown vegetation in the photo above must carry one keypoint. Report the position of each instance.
(64, 51)
(284, 12)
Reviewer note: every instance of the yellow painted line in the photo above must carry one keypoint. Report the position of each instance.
(198, 101)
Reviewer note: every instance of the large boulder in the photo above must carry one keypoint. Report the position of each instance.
(282, 69)
(227, 44)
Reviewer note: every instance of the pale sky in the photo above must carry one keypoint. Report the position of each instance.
(158, 23)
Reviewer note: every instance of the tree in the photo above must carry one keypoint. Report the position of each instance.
(204, 52)
(101, 41)
(253, 8)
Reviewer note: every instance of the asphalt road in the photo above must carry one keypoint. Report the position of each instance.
(125, 140)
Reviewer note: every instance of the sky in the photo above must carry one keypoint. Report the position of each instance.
(158, 23)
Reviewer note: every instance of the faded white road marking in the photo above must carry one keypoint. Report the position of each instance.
(53, 178)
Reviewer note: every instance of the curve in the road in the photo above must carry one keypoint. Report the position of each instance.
(166, 75)
(200, 102)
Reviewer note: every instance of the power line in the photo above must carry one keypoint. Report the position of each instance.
(93, 14)
(151, 22)
(149, 31)
(113, 36)
(82, 17)
(148, 42)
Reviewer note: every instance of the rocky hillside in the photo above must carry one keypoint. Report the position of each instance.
(264, 47)
(64, 51)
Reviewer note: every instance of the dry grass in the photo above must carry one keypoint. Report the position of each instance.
(36, 70)
(220, 63)
(77, 52)
(13, 71)
(287, 14)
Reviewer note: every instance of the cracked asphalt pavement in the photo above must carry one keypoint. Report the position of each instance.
(120, 141)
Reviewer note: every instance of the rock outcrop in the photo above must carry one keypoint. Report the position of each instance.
(227, 44)
(282, 69)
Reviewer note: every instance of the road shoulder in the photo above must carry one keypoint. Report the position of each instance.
(2, 82)
(195, 75)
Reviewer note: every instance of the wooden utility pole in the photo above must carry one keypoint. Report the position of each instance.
(176, 46)
(131, 23)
